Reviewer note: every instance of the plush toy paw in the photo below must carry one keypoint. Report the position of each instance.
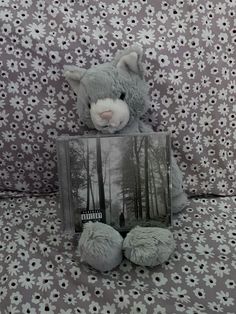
(100, 246)
(147, 246)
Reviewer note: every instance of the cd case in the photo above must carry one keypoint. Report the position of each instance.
(120, 180)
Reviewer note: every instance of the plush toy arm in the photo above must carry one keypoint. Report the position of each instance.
(144, 128)
(136, 127)
(179, 197)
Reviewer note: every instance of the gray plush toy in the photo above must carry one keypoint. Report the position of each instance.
(111, 98)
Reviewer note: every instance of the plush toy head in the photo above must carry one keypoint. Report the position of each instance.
(110, 96)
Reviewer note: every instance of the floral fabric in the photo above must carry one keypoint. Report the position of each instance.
(40, 272)
(189, 58)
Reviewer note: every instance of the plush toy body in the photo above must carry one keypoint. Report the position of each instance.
(111, 98)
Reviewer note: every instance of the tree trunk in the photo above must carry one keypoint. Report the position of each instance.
(152, 214)
(162, 181)
(91, 189)
(123, 196)
(110, 187)
(139, 190)
(102, 203)
(146, 166)
(88, 178)
(155, 190)
(122, 220)
(135, 188)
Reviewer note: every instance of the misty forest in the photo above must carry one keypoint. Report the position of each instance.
(122, 181)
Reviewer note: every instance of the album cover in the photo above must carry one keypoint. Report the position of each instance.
(120, 180)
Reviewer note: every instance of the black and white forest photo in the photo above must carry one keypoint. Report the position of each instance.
(120, 180)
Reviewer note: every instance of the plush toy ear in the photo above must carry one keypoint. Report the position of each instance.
(74, 76)
(130, 61)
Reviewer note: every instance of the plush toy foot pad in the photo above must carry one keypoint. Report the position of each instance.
(148, 246)
(100, 246)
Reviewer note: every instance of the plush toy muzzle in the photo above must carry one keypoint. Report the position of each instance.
(109, 115)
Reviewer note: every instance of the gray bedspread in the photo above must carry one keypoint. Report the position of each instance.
(40, 272)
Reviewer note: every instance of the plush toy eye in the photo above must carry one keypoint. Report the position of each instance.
(89, 105)
(122, 96)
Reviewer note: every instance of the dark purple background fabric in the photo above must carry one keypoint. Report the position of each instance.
(189, 58)
(39, 261)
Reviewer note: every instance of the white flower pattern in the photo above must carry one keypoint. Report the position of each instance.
(189, 58)
(38, 276)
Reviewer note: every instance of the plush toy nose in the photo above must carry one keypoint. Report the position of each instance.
(106, 115)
